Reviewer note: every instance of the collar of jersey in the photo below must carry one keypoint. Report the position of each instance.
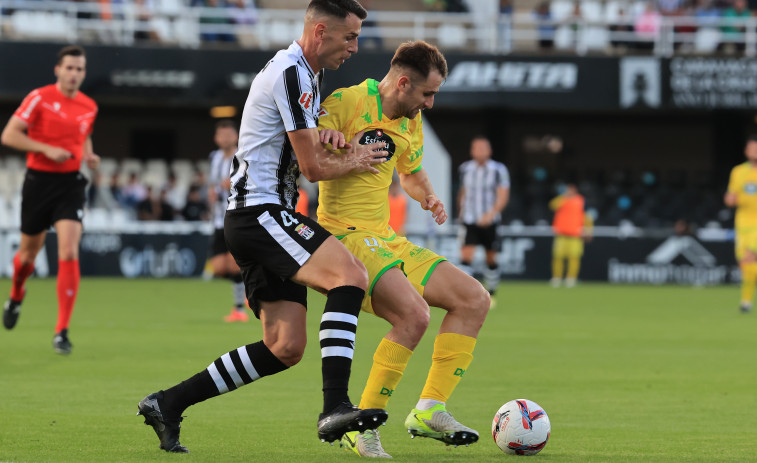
(373, 91)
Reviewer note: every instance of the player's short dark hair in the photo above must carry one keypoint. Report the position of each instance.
(479, 136)
(226, 124)
(752, 137)
(337, 8)
(70, 50)
(421, 57)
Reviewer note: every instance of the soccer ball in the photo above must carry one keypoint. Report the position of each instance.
(521, 427)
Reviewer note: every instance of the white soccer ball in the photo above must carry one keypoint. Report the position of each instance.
(521, 427)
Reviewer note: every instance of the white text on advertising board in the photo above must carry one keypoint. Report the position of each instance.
(481, 76)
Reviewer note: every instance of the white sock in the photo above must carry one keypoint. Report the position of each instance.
(425, 404)
(240, 297)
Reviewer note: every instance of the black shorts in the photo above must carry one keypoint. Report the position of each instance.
(48, 197)
(484, 236)
(270, 243)
(218, 243)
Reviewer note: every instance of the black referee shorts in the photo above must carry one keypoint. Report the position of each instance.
(270, 243)
(218, 243)
(48, 197)
(482, 236)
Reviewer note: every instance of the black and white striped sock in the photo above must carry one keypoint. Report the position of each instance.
(230, 371)
(337, 336)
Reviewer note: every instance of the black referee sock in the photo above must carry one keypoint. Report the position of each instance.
(337, 335)
(230, 371)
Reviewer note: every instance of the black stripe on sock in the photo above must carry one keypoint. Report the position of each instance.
(334, 325)
(239, 366)
(225, 374)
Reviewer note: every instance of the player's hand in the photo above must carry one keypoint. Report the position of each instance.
(57, 154)
(364, 157)
(92, 160)
(436, 206)
(335, 138)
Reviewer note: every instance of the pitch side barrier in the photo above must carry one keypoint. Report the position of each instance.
(622, 254)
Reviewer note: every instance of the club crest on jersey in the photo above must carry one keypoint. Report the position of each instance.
(377, 136)
(304, 231)
(306, 99)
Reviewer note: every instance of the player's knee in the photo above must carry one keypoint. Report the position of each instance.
(355, 274)
(289, 351)
(417, 323)
(480, 303)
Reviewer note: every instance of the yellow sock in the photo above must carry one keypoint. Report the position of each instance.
(748, 282)
(452, 354)
(389, 361)
(574, 265)
(557, 268)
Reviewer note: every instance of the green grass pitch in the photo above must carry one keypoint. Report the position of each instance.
(626, 373)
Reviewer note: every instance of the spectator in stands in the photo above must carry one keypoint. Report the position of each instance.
(647, 26)
(707, 13)
(99, 194)
(133, 192)
(195, 208)
(450, 6)
(735, 16)
(571, 227)
(174, 195)
(144, 30)
(154, 207)
(546, 29)
(200, 180)
(670, 7)
(243, 12)
(506, 7)
(221, 15)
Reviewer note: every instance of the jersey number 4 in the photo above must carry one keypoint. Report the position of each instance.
(287, 219)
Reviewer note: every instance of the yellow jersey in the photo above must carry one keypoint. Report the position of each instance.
(743, 183)
(360, 201)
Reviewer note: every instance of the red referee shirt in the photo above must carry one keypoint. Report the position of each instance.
(57, 120)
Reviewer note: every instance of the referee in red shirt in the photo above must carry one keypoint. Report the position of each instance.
(54, 125)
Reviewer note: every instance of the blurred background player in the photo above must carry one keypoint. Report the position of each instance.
(571, 226)
(397, 206)
(54, 125)
(223, 263)
(742, 194)
(483, 195)
(404, 279)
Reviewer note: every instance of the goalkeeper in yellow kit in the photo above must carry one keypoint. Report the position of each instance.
(404, 279)
(742, 194)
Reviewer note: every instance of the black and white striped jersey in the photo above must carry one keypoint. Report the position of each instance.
(220, 169)
(285, 96)
(480, 183)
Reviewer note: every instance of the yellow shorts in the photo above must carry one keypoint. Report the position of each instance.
(379, 255)
(566, 247)
(746, 238)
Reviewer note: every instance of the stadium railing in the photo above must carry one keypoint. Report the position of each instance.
(596, 27)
